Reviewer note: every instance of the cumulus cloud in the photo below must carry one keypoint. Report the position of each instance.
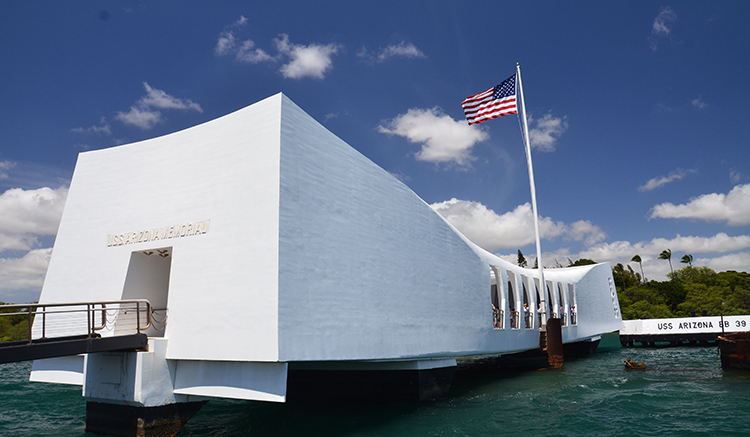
(734, 207)
(545, 131)
(21, 278)
(299, 60)
(443, 139)
(513, 229)
(143, 118)
(735, 261)
(662, 180)
(243, 51)
(662, 26)
(312, 60)
(227, 42)
(655, 268)
(403, 50)
(28, 214)
(145, 115)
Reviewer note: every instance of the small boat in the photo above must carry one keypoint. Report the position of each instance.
(631, 364)
(734, 350)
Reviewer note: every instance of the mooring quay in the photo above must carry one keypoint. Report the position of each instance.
(677, 331)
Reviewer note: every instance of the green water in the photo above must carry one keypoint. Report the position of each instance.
(683, 392)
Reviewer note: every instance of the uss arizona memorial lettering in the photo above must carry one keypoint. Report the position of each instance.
(686, 325)
(163, 233)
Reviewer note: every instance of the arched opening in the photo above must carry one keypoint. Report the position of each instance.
(528, 303)
(513, 301)
(573, 307)
(563, 305)
(497, 297)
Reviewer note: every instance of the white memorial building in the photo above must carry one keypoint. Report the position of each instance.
(275, 249)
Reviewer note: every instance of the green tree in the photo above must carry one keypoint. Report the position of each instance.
(667, 255)
(637, 259)
(581, 262)
(625, 278)
(13, 327)
(687, 259)
(521, 259)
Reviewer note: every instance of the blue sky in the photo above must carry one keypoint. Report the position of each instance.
(638, 111)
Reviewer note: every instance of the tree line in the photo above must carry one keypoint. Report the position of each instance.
(14, 327)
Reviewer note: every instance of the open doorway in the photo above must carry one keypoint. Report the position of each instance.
(147, 278)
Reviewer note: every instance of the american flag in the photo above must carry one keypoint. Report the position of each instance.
(495, 102)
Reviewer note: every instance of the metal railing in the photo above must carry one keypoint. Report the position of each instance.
(66, 319)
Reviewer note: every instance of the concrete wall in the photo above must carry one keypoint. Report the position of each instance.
(367, 269)
(223, 282)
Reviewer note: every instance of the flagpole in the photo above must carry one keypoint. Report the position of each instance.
(543, 291)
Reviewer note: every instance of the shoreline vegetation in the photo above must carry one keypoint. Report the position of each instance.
(690, 291)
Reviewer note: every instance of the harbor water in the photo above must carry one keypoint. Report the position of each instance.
(682, 392)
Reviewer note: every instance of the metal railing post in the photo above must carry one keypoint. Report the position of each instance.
(88, 318)
(30, 323)
(138, 317)
(44, 322)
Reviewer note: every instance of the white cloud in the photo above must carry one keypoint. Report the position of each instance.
(663, 22)
(102, 128)
(662, 26)
(657, 269)
(734, 176)
(21, 278)
(159, 99)
(733, 207)
(225, 44)
(247, 55)
(403, 49)
(28, 214)
(144, 116)
(227, 41)
(699, 103)
(546, 131)
(313, 60)
(662, 180)
(513, 229)
(4, 167)
(736, 261)
(443, 139)
(243, 51)
(140, 117)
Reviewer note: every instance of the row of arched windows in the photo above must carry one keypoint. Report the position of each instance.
(514, 307)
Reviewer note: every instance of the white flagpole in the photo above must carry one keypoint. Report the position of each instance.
(543, 291)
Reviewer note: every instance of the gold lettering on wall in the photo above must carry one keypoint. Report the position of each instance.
(163, 233)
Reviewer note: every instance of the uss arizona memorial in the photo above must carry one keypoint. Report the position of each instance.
(279, 251)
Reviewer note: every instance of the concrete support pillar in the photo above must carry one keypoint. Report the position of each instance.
(131, 394)
(131, 421)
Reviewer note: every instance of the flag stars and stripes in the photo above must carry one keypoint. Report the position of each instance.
(495, 102)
